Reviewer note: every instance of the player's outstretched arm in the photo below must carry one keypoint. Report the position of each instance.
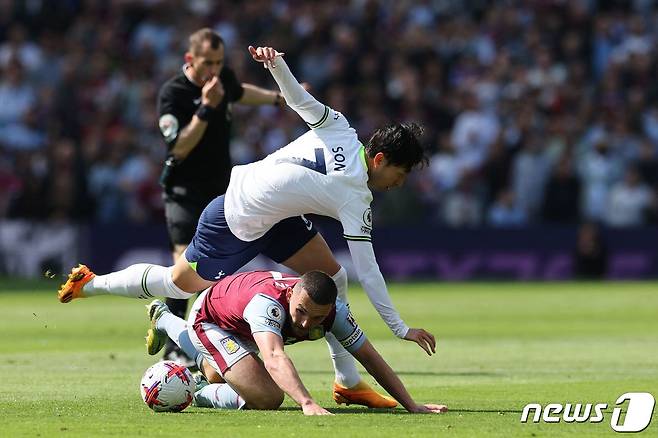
(373, 283)
(309, 109)
(377, 367)
(283, 372)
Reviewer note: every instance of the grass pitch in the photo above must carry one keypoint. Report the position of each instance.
(74, 370)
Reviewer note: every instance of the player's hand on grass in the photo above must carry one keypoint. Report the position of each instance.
(423, 338)
(212, 92)
(313, 408)
(265, 55)
(428, 409)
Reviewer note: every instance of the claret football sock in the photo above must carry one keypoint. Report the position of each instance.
(218, 396)
(142, 280)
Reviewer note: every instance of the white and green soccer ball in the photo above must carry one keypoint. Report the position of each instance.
(167, 387)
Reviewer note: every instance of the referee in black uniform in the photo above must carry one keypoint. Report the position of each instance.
(194, 109)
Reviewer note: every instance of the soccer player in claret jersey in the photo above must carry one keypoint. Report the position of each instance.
(327, 171)
(261, 312)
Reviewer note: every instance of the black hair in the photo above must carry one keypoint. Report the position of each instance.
(320, 287)
(400, 144)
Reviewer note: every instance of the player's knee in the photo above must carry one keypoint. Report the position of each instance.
(184, 278)
(267, 402)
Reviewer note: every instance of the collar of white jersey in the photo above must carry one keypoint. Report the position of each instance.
(362, 154)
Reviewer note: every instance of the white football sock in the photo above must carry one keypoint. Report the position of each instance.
(142, 280)
(344, 365)
(176, 329)
(347, 374)
(218, 396)
(340, 278)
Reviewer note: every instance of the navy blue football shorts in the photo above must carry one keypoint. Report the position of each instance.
(216, 252)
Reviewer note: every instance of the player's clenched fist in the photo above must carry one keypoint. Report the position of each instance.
(265, 55)
(212, 92)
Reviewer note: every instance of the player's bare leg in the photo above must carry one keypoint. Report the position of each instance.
(211, 375)
(315, 255)
(251, 380)
(348, 387)
(186, 278)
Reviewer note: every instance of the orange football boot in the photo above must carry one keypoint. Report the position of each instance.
(362, 394)
(72, 289)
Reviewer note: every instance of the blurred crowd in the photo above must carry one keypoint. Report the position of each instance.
(535, 112)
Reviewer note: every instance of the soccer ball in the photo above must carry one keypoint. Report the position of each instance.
(167, 387)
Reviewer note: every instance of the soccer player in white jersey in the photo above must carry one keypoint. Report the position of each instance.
(326, 171)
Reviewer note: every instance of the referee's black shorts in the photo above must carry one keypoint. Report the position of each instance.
(182, 215)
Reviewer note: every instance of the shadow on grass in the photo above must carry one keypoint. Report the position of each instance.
(488, 411)
(425, 373)
(364, 410)
(337, 410)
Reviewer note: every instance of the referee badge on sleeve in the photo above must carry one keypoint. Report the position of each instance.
(168, 126)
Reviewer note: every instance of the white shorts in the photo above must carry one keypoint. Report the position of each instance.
(220, 348)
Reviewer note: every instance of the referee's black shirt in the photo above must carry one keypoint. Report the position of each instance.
(205, 172)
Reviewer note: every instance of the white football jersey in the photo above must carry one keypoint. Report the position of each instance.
(322, 172)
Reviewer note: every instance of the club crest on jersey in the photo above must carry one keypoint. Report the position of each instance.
(230, 345)
(316, 332)
(367, 217)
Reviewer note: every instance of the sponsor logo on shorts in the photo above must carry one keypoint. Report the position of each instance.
(308, 223)
(230, 345)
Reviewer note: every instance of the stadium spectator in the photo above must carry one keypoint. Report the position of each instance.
(530, 172)
(562, 200)
(505, 212)
(598, 171)
(590, 254)
(629, 201)
(574, 75)
(461, 207)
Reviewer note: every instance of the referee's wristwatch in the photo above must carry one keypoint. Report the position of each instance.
(204, 112)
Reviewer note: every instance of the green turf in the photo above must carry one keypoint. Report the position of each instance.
(74, 370)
